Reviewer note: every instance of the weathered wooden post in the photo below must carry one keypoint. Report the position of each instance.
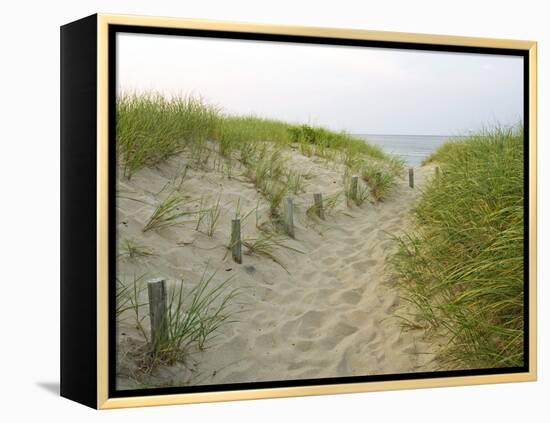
(318, 201)
(156, 290)
(411, 177)
(289, 217)
(437, 172)
(353, 188)
(236, 250)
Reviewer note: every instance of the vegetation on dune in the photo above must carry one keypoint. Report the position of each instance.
(356, 193)
(209, 216)
(151, 128)
(193, 318)
(266, 245)
(381, 177)
(378, 169)
(236, 132)
(127, 299)
(340, 141)
(131, 249)
(169, 212)
(463, 267)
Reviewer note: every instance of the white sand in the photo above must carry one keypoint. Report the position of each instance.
(332, 314)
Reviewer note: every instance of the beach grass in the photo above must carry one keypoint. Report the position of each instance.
(131, 249)
(295, 182)
(381, 177)
(463, 266)
(194, 317)
(208, 217)
(266, 244)
(357, 196)
(169, 212)
(237, 131)
(127, 298)
(151, 128)
(340, 141)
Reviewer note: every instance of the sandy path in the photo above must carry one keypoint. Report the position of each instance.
(331, 315)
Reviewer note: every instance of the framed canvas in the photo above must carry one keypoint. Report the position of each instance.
(258, 211)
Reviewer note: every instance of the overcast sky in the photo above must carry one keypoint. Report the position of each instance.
(359, 90)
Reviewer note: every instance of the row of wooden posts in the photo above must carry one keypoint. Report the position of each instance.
(156, 288)
(236, 245)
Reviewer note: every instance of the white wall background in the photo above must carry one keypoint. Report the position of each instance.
(29, 178)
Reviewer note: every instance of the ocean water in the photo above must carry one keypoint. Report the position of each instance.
(411, 148)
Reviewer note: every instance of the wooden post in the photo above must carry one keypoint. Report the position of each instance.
(157, 311)
(437, 171)
(318, 201)
(236, 251)
(353, 188)
(411, 177)
(289, 215)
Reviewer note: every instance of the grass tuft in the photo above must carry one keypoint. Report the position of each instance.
(266, 245)
(132, 250)
(380, 177)
(128, 298)
(209, 216)
(195, 317)
(361, 194)
(169, 212)
(295, 182)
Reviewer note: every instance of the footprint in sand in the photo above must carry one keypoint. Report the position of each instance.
(266, 341)
(319, 299)
(336, 334)
(309, 275)
(310, 323)
(266, 294)
(344, 253)
(303, 346)
(351, 258)
(367, 230)
(358, 317)
(352, 241)
(331, 260)
(329, 277)
(351, 297)
(364, 265)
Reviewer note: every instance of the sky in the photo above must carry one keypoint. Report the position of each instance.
(354, 89)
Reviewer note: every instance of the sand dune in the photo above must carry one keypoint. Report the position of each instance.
(330, 313)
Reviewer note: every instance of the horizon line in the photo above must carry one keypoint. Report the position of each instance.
(417, 135)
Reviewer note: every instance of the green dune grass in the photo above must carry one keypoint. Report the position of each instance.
(462, 268)
(151, 128)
